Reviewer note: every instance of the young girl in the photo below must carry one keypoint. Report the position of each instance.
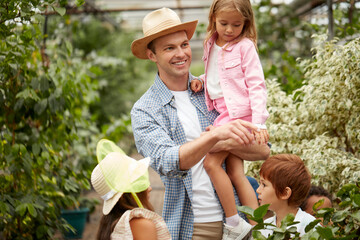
(235, 87)
(284, 184)
(124, 185)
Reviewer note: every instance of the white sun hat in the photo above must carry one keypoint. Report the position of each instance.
(116, 174)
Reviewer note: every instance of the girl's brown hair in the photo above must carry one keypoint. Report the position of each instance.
(287, 170)
(243, 7)
(126, 202)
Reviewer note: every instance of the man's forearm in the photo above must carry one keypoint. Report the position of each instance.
(250, 152)
(192, 152)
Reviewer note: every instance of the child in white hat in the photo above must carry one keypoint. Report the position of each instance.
(124, 185)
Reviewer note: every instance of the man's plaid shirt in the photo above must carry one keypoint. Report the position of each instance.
(158, 134)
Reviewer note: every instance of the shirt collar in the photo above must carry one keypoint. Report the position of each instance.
(166, 95)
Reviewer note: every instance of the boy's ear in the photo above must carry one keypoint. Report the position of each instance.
(287, 194)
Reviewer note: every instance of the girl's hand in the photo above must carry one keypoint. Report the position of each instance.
(196, 85)
(261, 137)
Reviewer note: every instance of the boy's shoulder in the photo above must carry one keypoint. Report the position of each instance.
(304, 217)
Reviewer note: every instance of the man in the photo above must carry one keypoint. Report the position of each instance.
(169, 123)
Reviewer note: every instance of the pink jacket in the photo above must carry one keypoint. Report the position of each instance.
(241, 80)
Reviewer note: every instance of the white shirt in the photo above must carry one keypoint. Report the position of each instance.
(212, 76)
(302, 217)
(206, 207)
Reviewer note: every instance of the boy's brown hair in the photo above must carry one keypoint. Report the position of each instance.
(287, 170)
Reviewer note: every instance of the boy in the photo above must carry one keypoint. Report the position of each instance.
(284, 184)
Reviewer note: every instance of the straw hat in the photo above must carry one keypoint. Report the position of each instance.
(117, 174)
(157, 24)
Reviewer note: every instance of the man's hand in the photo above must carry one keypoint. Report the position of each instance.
(250, 152)
(239, 130)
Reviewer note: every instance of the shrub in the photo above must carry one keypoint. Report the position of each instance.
(44, 99)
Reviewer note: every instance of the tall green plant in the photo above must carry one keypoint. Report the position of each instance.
(44, 94)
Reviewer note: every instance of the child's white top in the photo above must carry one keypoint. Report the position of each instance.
(302, 217)
(213, 80)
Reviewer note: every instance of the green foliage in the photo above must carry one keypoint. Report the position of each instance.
(342, 223)
(122, 77)
(320, 121)
(44, 99)
(90, 35)
(346, 20)
(282, 37)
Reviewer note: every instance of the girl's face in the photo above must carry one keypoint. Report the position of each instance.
(267, 195)
(229, 25)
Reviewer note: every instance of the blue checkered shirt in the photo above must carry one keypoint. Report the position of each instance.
(158, 134)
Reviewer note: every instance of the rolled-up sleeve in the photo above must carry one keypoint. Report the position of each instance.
(152, 133)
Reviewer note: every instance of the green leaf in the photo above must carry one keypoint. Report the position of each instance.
(28, 93)
(357, 200)
(41, 231)
(79, 2)
(36, 149)
(44, 84)
(325, 232)
(4, 207)
(40, 106)
(339, 216)
(318, 204)
(246, 210)
(349, 227)
(32, 210)
(261, 211)
(18, 105)
(292, 229)
(69, 47)
(356, 215)
(344, 191)
(60, 10)
(288, 220)
(278, 236)
(312, 225)
(258, 235)
(13, 66)
(21, 209)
